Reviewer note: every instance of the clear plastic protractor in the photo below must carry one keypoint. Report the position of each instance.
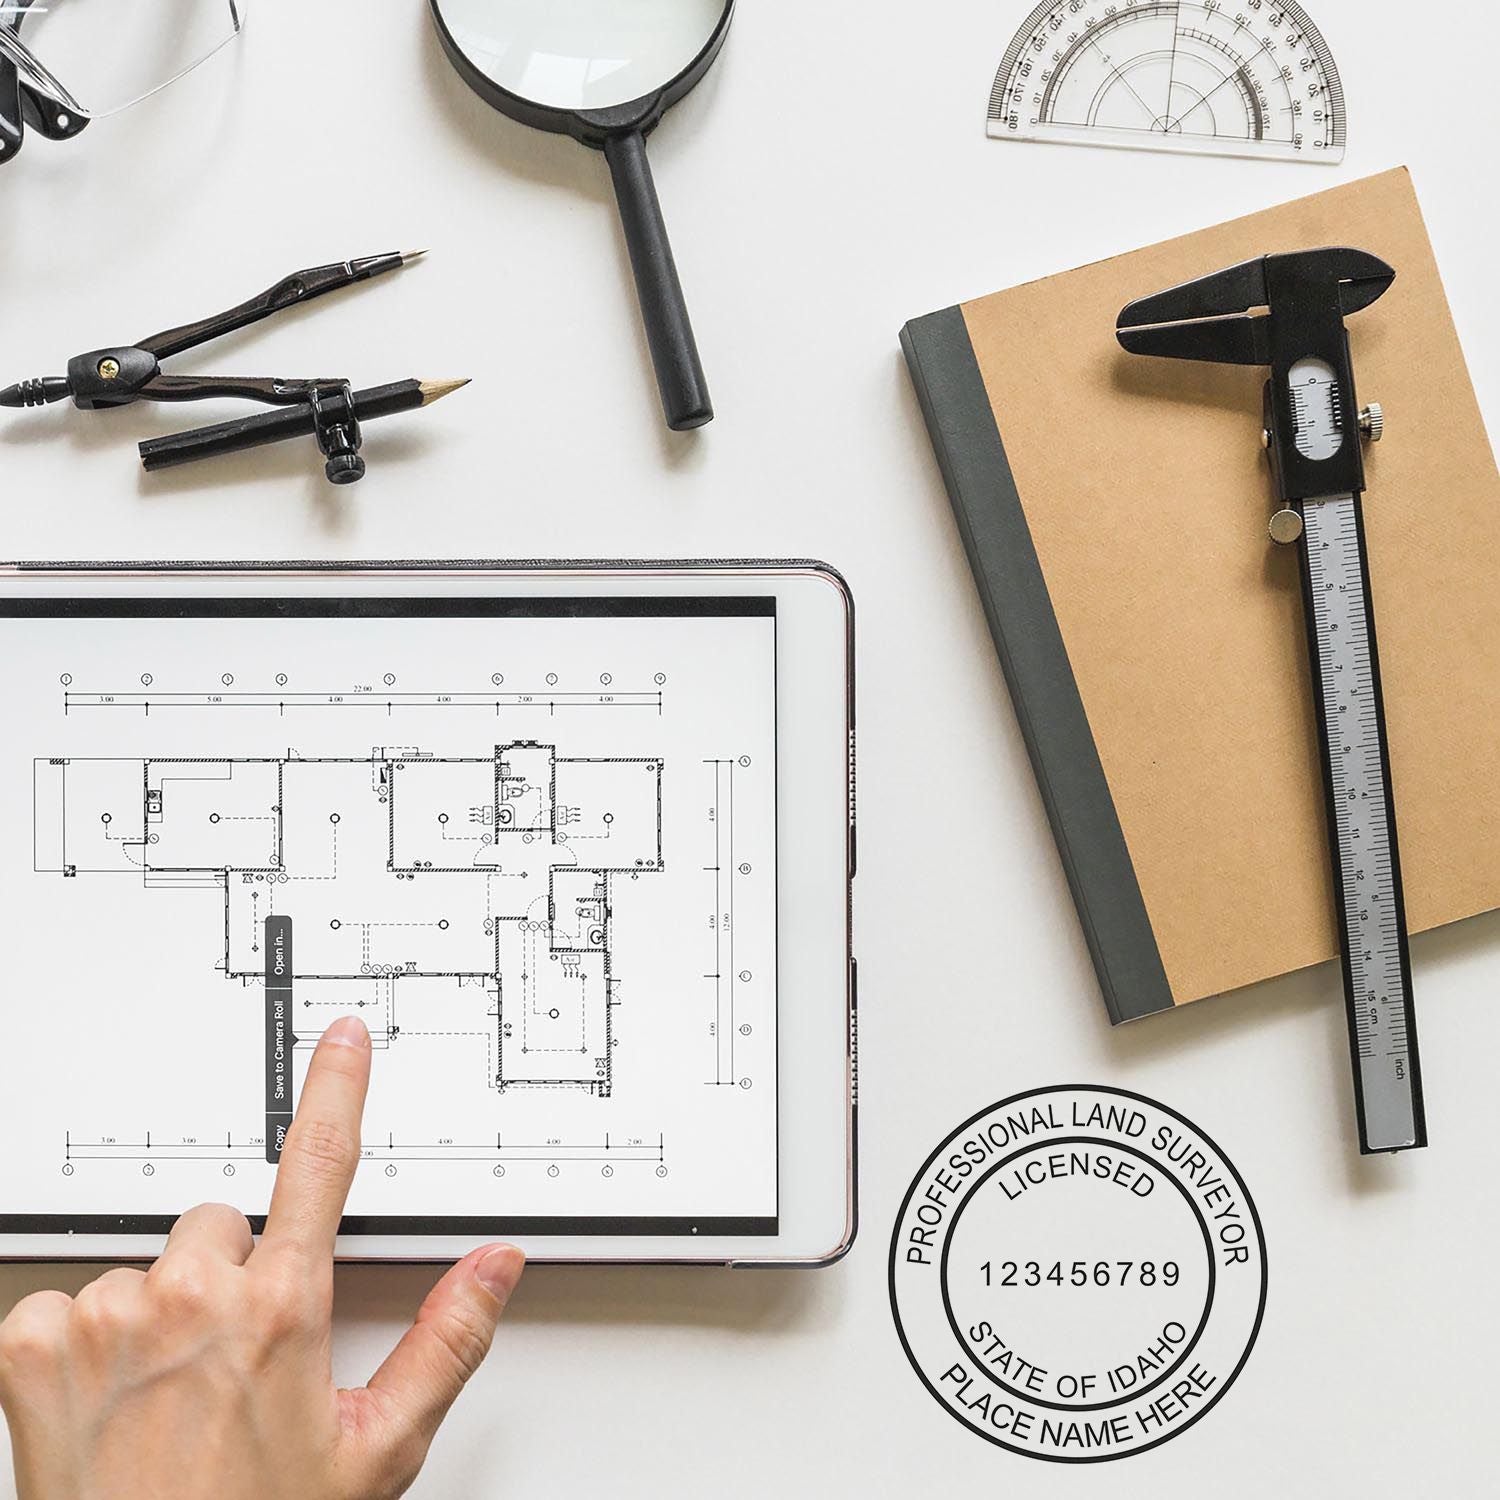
(1222, 77)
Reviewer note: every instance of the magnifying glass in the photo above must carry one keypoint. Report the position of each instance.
(604, 72)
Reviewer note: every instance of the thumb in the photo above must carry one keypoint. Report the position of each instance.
(423, 1375)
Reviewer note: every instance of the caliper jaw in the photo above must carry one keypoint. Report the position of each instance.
(1306, 296)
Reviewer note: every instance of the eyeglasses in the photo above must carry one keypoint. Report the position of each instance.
(66, 62)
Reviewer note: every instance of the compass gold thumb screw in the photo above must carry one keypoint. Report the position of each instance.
(1286, 528)
(1372, 422)
(109, 369)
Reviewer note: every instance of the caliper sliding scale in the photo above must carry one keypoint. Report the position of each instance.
(1313, 428)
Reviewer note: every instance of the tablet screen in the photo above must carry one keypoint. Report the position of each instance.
(530, 841)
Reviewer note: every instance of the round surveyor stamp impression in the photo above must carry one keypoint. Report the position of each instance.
(1078, 1274)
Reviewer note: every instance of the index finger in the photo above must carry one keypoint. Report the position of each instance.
(322, 1146)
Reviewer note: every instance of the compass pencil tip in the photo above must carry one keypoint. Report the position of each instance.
(435, 390)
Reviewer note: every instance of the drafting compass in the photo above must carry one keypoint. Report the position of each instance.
(1255, 79)
(328, 409)
(1313, 435)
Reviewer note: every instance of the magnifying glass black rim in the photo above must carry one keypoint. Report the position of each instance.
(591, 126)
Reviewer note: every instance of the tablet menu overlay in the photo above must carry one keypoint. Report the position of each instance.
(532, 843)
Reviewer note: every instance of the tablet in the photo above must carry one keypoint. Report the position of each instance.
(576, 841)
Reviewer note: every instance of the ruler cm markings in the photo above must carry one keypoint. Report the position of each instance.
(1362, 826)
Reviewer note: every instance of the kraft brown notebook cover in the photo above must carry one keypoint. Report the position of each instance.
(1115, 512)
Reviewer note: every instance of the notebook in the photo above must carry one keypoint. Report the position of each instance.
(1114, 510)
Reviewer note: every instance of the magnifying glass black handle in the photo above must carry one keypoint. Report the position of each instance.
(669, 331)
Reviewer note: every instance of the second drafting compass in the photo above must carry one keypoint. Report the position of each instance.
(1314, 428)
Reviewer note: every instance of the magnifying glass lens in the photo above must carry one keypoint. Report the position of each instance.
(582, 54)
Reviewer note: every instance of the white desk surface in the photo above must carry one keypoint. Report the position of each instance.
(829, 181)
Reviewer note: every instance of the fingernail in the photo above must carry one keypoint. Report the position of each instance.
(500, 1270)
(348, 1031)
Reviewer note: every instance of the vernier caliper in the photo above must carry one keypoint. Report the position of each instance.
(1313, 427)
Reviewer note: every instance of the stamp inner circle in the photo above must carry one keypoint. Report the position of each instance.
(1076, 1271)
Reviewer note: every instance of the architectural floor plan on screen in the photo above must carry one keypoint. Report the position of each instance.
(535, 855)
(475, 892)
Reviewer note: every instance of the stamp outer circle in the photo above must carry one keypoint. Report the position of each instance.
(1093, 1168)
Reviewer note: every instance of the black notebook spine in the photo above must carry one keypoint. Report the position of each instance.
(1034, 658)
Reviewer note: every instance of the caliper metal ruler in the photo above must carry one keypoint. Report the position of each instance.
(1313, 431)
(1226, 77)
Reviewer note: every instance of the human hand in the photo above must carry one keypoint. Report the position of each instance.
(209, 1377)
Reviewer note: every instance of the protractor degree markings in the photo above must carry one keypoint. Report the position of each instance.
(1092, 72)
